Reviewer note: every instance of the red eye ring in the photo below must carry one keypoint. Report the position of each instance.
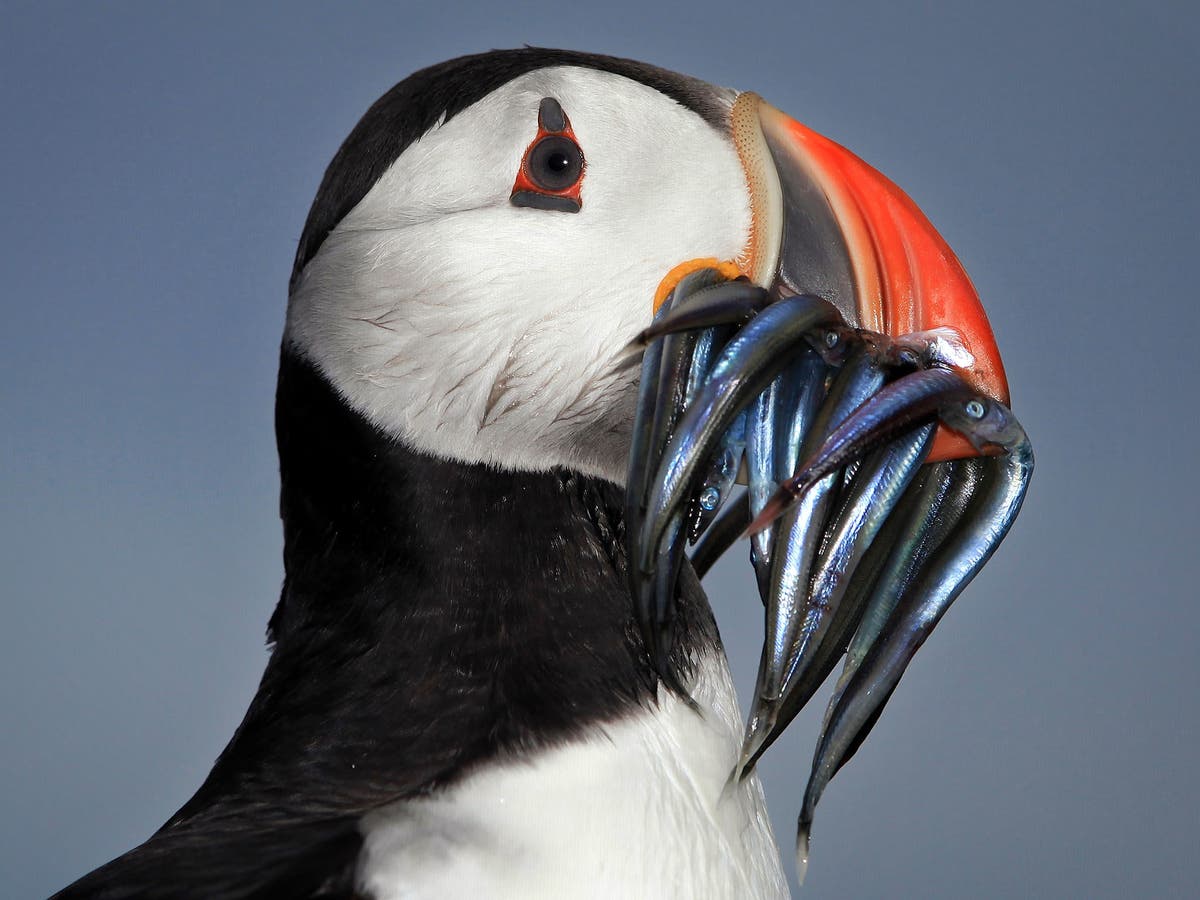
(553, 166)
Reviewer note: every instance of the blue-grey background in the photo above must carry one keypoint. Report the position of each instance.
(156, 165)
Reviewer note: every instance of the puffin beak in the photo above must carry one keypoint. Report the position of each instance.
(844, 366)
(828, 224)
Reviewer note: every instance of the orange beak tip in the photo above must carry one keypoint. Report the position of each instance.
(895, 274)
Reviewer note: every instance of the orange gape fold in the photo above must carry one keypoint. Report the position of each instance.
(728, 269)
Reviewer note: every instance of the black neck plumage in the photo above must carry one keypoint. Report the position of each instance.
(440, 596)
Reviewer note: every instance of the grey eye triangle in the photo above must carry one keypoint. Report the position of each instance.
(551, 116)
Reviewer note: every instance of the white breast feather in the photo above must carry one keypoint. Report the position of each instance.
(642, 808)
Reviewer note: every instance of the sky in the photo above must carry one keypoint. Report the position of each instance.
(156, 165)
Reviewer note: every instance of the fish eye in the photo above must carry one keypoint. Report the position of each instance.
(554, 163)
(974, 409)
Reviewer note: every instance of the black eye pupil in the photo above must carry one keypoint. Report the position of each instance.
(555, 163)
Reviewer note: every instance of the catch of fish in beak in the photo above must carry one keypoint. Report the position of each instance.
(859, 543)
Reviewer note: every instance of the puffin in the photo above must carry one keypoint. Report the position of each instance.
(458, 701)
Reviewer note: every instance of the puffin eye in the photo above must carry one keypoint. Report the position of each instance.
(554, 163)
(553, 166)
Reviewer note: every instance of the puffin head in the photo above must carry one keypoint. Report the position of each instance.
(497, 228)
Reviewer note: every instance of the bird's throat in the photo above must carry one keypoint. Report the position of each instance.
(445, 591)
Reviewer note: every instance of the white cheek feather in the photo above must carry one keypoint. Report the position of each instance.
(641, 808)
(478, 331)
